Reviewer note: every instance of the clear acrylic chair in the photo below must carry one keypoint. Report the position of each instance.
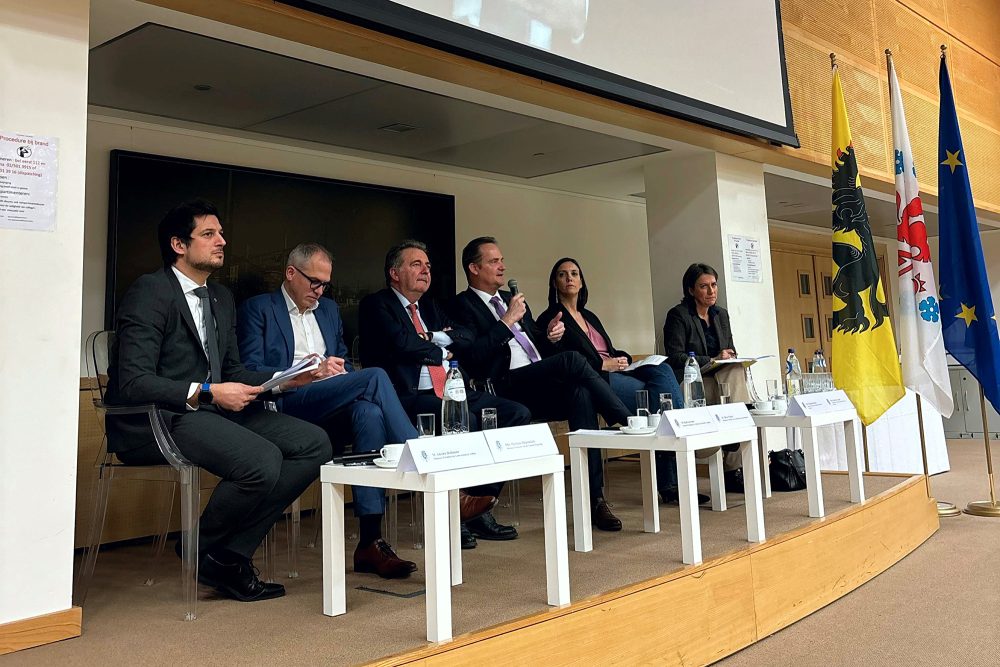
(177, 469)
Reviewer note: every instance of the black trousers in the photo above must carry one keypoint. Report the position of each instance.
(264, 460)
(564, 386)
(509, 413)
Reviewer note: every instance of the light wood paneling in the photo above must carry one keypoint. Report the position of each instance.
(791, 305)
(39, 630)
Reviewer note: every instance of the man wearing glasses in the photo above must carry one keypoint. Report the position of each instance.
(279, 329)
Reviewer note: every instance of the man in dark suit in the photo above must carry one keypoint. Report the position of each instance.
(412, 340)
(282, 328)
(525, 363)
(176, 347)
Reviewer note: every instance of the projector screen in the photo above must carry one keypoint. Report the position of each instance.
(716, 62)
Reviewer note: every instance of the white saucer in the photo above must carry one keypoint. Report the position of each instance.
(642, 430)
(382, 462)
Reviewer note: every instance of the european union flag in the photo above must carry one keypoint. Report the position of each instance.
(968, 321)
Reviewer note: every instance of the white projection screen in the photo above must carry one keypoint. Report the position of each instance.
(716, 62)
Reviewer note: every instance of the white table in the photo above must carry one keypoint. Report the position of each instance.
(685, 449)
(807, 427)
(442, 544)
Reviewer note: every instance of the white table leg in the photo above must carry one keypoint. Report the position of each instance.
(583, 532)
(334, 567)
(687, 489)
(436, 565)
(855, 463)
(790, 438)
(717, 481)
(455, 537)
(556, 548)
(751, 492)
(765, 470)
(650, 503)
(814, 485)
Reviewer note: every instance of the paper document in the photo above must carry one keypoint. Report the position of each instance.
(307, 364)
(715, 364)
(651, 360)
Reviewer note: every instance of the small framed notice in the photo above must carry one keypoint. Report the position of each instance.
(28, 168)
(745, 259)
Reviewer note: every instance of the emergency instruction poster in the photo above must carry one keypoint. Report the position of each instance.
(28, 169)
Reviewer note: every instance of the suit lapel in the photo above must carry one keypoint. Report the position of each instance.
(280, 311)
(326, 327)
(180, 301)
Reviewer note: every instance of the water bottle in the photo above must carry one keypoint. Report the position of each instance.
(454, 405)
(793, 373)
(820, 365)
(694, 387)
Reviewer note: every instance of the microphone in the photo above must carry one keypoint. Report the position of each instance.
(512, 285)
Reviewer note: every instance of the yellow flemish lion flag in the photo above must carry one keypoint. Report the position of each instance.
(865, 360)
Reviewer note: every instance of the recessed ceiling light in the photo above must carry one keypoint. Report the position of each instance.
(538, 154)
(398, 128)
(202, 87)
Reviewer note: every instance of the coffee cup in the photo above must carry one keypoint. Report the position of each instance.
(654, 419)
(637, 421)
(764, 405)
(391, 453)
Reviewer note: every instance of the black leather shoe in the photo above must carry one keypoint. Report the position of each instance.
(485, 527)
(238, 580)
(379, 558)
(602, 517)
(468, 539)
(672, 497)
(733, 480)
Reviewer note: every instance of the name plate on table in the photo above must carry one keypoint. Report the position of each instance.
(520, 442)
(447, 452)
(731, 415)
(689, 421)
(807, 405)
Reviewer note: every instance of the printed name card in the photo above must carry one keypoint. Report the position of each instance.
(731, 415)
(808, 405)
(447, 452)
(520, 442)
(689, 421)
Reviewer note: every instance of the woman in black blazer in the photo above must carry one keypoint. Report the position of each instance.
(586, 335)
(696, 324)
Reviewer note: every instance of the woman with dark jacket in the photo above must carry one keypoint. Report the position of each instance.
(586, 335)
(696, 324)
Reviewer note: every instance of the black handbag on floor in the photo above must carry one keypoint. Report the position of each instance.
(788, 470)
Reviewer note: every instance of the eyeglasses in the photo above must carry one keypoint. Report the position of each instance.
(314, 283)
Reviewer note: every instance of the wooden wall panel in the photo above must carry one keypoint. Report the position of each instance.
(975, 81)
(846, 25)
(977, 22)
(982, 148)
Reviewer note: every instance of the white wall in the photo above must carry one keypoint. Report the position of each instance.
(535, 227)
(43, 91)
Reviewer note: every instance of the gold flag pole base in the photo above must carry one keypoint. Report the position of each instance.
(948, 509)
(988, 508)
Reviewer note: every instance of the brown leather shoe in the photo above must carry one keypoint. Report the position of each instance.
(379, 558)
(470, 507)
(602, 517)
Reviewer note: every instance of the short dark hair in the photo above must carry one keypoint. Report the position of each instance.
(695, 271)
(394, 258)
(581, 299)
(471, 253)
(180, 222)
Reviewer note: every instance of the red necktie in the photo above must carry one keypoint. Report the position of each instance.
(436, 371)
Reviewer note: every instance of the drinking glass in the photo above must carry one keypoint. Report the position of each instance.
(489, 418)
(724, 393)
(666, 402)
(772, 388)
(642, 403)
(425, 425)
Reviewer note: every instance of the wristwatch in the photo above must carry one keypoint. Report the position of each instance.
(205, 394)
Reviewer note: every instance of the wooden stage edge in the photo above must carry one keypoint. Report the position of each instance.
(38, 630)
(700, 614)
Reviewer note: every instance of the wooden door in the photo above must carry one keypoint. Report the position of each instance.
(799, 323)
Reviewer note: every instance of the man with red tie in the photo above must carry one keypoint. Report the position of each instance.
(412, 341)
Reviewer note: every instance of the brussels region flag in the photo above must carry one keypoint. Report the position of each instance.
(967, 317)
(925, 369)
(865, 361)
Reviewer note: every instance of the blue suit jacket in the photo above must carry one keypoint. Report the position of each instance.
(265, 333)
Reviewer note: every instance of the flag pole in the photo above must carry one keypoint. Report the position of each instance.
(943, 508)
(864, 443)
(985, 507)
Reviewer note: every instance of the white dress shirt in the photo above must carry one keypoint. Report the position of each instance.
(305, 328)
(188, 286)
(518, 357)
(439, 338)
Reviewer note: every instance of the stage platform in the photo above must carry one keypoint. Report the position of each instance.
(634, 601)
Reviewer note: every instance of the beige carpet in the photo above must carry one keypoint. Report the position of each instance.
(126, 622)
(938, 606)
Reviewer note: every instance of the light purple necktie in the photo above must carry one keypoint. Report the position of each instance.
(522, 340)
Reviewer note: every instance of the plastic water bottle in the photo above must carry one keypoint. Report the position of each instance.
(819, 362)
(793, 373)
(454, 404)
(694, 386)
